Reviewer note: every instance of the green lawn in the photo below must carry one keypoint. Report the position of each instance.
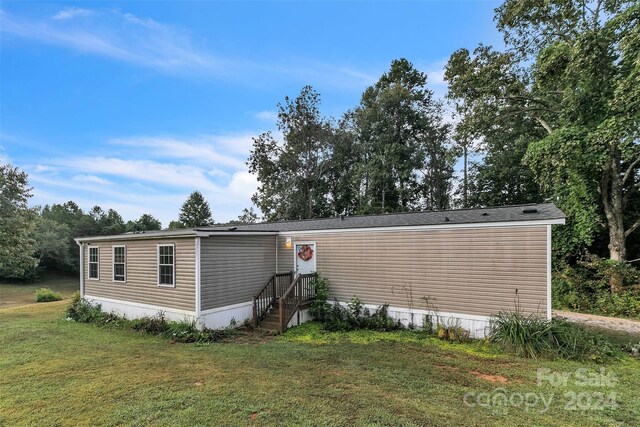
(13, 295)
(57, 372)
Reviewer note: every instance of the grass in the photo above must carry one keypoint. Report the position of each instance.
(14, 295)
(56, 372)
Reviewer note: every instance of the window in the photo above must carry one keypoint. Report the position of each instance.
(119, 264)
(94, 263)
(166, 265)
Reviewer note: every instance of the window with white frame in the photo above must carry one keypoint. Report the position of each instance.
(119, 264)
(94, 262)
(166, 265)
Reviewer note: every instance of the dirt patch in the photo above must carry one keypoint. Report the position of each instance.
(253, 416)
(198, 383)
(491, 378)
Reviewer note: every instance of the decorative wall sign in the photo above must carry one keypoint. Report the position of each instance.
(305, 252)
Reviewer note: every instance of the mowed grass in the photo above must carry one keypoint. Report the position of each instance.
(57, 372)
(18, 294)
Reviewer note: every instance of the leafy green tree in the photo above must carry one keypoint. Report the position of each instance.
(292, 173)
(572, 69)
(112, 223)
(195, 211)
(52, 247)
(248, 216)
(175, 225)
(405, 160)
(17, 223)
(146, 222)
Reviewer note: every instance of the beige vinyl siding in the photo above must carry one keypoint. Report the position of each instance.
(234, 268)
(142, 274)
(473, 271)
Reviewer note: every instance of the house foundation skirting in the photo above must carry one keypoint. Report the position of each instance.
(135, 310)
(223, 317)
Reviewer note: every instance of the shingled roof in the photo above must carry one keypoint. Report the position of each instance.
(547, 211)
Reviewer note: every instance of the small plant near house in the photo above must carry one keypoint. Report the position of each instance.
(320, 308)
(356, 316)
(84, 311)
(534, 336)
(47, 295)
(451, 330)
(633, 349)
(185, 331)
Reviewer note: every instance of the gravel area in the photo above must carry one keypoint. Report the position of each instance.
(611, 323)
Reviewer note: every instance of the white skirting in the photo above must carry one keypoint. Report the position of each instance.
(134, 310)
(237, 314)
(478, 326)
(223, 317)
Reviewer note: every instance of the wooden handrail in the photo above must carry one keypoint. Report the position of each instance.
(301, 290)
(269, 294)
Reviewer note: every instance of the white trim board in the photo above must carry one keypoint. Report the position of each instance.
(428, 227)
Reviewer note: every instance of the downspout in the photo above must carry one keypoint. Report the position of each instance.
(81, 246)
(198, 283)
(277, 253)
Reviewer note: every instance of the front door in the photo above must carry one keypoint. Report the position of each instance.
(305, 253)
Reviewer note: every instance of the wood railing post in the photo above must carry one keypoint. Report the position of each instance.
(255, 313)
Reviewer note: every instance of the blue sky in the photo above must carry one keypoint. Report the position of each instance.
(133, 105)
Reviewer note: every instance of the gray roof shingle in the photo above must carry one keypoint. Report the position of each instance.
(547, 211)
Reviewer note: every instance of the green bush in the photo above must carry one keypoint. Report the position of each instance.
(47, 295)
(355, 316)
(83, 311)
(155, 325)
(320, 309)
(533, 336)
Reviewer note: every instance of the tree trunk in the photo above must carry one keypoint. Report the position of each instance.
(611, 187)
(465, 185)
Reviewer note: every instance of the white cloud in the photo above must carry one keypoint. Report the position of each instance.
(91, 179)
(70, 13)
(4, 157)
(118, 36)
(267, 116)
(199, 150)
(149, 43)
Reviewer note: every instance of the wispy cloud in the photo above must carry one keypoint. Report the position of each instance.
(267, 116)
(170, 49)
(152, 174)
(115, 35)
(70, 13)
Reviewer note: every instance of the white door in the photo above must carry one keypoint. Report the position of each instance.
(305, 253)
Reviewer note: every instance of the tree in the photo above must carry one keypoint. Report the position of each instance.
(112, 223)
(146, 222)
(405, 159)
(175, 225)
(248, 216)
(17, 223)
(195, 211)
(572, 69)
(52, 247)
(292, 173)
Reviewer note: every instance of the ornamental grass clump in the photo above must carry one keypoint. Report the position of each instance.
(534, 336)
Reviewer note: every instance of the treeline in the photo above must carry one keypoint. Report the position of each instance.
(33, 239)
(555, 117)
(391, 153)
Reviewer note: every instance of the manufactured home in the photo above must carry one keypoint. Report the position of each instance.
(465, 265)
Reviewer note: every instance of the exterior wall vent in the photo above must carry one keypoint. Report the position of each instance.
(529, 210)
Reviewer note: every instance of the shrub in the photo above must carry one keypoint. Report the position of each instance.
(356, 316)
(320, 309)
(533, 336)
(452, 331)
(585, 287)
(156, 324)
(47, 295)
(82, 310)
